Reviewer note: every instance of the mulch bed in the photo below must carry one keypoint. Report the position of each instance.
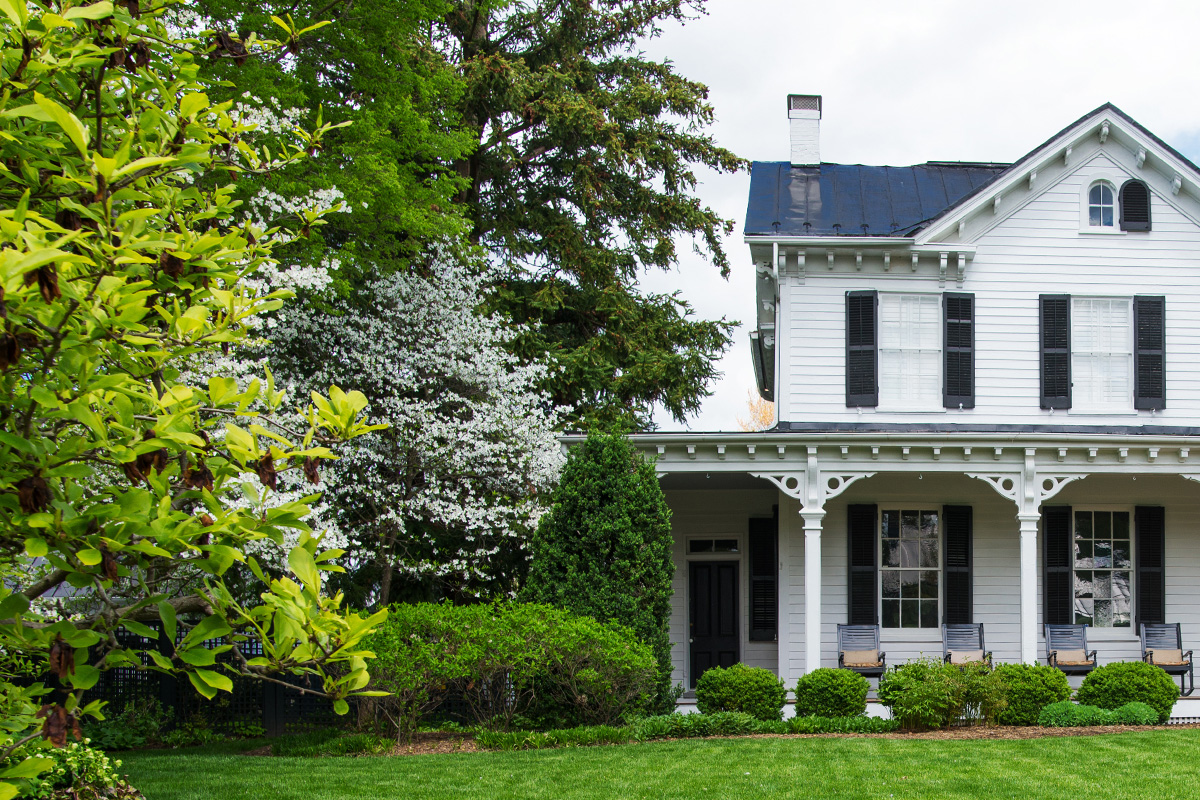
(438, 743)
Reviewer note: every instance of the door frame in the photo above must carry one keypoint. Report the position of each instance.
(714, 560)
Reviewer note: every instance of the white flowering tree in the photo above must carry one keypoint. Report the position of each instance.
(447, 495)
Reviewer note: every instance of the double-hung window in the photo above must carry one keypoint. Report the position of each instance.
(910, 352)
(1103, 569)
(1103, 354)
(910, 568)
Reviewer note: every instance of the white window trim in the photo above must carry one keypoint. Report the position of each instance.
(690, 556)
(895, 404)
(1114, 181)
(910, 634)
(1111, 634)
(1126, 405)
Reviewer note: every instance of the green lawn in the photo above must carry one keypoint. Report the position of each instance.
(1157, 764)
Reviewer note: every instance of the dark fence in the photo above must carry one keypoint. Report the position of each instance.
(252, 703)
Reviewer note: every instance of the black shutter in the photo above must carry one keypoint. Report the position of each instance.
(864, 581)
(862, 350)
(1150, 390)
(764, 574)
(958, 386)
(1059, 603)
(956, 535)
(1055, 333)
(1150, 530)
(1134, 200)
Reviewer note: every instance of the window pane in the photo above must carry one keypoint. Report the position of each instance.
(910, 346)
(891, 553)
(700, 546)
(1106, 217)
(910, 583)
(1102, 526)
(1094, 194)
(1083, 555)
(891, 584)
(929, 524)
(1101, 351)
(908, 524)
(910, 614)
(1083, 612)
(1120, 524)
(1121, 555)
(891, 524)
(1103, 614)
(1083, 524)
(908, 553)
(1103, 555)
(929, 584)
(929, 552)
(929, 613)
(725, 546)
(1083, 584)
(1102, 585)
(891, 613)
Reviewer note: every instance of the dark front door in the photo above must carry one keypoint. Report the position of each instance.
(714, 630)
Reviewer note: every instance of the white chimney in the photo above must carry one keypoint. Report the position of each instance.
(804, 117)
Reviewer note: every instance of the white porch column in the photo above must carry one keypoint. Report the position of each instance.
(812, 587)
(1029, 526)
(783, 639)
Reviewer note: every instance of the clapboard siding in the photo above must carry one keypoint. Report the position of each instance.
(723, 515)
(1035, 249)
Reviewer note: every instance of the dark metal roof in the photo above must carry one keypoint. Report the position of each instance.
(857, 200)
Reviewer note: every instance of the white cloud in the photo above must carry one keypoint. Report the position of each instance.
(908, 82)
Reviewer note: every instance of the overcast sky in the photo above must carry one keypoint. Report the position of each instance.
(907, 82)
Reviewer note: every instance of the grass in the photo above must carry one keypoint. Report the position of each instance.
(1151, 764)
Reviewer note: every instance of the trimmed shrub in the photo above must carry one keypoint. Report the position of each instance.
(927, 693)
(501, 658)
(1028, 689)
(1066, 714)
(752, 690)
(604, 548)
(1114, 685)
(1135, 714)
(827, 692)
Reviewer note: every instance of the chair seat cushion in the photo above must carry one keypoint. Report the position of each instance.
(1072, 658)
(1169, 658)
(861, 658)
(966, 656)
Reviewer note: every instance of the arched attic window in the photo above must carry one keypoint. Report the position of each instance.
(1135, 206)
(1100, 205)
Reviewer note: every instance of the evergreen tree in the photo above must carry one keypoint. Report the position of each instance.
(604, 549)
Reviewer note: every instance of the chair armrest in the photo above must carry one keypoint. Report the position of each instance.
(946, 658)
(841, 659)
(1092, 656)
(1052, 657)
(1189, 655)
(1148, 656)
(882, 658)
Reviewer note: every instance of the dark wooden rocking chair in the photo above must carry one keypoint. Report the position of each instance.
(963, 644)
(1066, 649)
(1162, 646)
(858, 650)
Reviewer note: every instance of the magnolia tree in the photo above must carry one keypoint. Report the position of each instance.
(448, 493)
(122, 259)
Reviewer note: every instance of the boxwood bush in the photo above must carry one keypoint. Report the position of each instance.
(829, 692)
(751, 690)
(1029, 688)
(1114, 685)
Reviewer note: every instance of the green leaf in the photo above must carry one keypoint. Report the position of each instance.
(85, 677)
(215, 679)
(14, 605)
(198, 657)
(29, 768)
(211, 627)
(340, 707)
(7, 791)
(40, 520)
(134, 626)
(70, 123)
(98, 10)
(90, 557)
(17, 11)
(36, 547)
(302, 564)
(202, 687)
(166, 612)
(159, 659)
(191, 103)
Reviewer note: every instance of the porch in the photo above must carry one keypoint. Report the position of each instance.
(717, 485)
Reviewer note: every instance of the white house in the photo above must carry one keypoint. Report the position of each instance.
(987, 390)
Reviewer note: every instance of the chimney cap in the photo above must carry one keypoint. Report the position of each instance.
(805, 102)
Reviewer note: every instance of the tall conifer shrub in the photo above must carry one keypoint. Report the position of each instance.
(604, 549)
